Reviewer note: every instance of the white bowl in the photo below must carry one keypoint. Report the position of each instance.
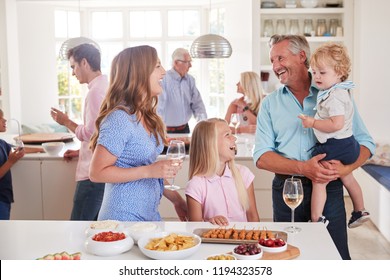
(309, 3)
(106, 225)
(142, 229)
(168, 255)
(249, 257)
(274, 249)
(53, 148)
(107, 249)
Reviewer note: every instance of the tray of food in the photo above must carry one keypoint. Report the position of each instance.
(236, 236)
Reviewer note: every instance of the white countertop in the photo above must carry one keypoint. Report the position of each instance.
(29, 240)
(244, 144)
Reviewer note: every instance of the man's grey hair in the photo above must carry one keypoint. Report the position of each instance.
(178, 54)
(297, 43)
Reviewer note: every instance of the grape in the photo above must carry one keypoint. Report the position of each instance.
(247, 249)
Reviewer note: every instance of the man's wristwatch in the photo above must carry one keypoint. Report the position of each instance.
(246, 108)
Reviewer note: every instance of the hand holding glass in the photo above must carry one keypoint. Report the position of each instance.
(19, 145)
(176, 151)
(293, 196)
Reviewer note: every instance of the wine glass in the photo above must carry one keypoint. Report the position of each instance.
(293, 196)
(177, 151)
(235, 121)
(19, 145)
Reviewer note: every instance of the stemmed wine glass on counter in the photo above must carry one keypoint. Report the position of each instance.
(293, 196)
(176, 150)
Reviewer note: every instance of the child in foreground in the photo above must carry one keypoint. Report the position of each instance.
(218, 191)
(332, 126)
(8, 157)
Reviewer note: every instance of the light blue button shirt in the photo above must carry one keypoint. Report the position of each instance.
(280, 130)
(180, 99)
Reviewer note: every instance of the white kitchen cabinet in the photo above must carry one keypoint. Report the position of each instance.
(58, 187)
(343, 14)
(43, 189)
(27, 186)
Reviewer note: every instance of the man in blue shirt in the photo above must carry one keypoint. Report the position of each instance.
(283, 145)
(180, 99)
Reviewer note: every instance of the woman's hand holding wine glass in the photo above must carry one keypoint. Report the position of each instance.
(293, 196)
(176, 152)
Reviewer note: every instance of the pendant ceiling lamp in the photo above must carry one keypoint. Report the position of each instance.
(74, 42)
(211, 46)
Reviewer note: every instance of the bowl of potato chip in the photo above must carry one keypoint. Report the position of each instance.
(169, 245)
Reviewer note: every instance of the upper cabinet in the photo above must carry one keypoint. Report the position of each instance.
(329, 20)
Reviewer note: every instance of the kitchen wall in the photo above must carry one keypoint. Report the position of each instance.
(30, 58)
(371, 63)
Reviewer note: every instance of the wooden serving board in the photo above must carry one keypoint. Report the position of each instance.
(200, 231)
(291, 253)
(39, 138)
(32, 150)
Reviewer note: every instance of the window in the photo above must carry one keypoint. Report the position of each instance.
(216, 97)
(165, 29)
(67, 25)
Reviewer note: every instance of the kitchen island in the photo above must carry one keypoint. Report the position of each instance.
(29, 240)
(44, 185)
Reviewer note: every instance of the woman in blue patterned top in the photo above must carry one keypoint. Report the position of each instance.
(129, 137)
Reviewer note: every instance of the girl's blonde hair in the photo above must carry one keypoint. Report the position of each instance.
(251, 84)
(204, 157)
(334, 55)
(129, 90)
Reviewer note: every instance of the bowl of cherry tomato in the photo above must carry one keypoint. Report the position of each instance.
(248, 251)
(273, 245)
(109, 243)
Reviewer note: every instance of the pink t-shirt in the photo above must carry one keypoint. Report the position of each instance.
(218, 195)
(97, 91)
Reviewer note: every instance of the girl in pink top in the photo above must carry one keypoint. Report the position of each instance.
(219, 191)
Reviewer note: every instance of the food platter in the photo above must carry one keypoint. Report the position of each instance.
(254, 239)
(290, 253)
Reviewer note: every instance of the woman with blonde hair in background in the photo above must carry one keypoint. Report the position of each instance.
(249, 104)
(219, 191)
(129, 137)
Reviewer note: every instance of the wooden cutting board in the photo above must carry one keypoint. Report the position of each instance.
(291, 253)
(32, 150)
(39, 138)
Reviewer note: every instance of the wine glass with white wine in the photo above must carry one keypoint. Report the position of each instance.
(293, 196)
(176, 150)
(235, 121)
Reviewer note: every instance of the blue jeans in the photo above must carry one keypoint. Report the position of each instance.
(87, 201)
(334, 211)
(5, 210)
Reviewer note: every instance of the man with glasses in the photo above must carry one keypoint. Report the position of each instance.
(180, 99)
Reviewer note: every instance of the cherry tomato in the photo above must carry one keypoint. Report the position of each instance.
(109, 236)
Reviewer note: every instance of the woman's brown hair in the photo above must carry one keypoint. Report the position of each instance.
(129, 90)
